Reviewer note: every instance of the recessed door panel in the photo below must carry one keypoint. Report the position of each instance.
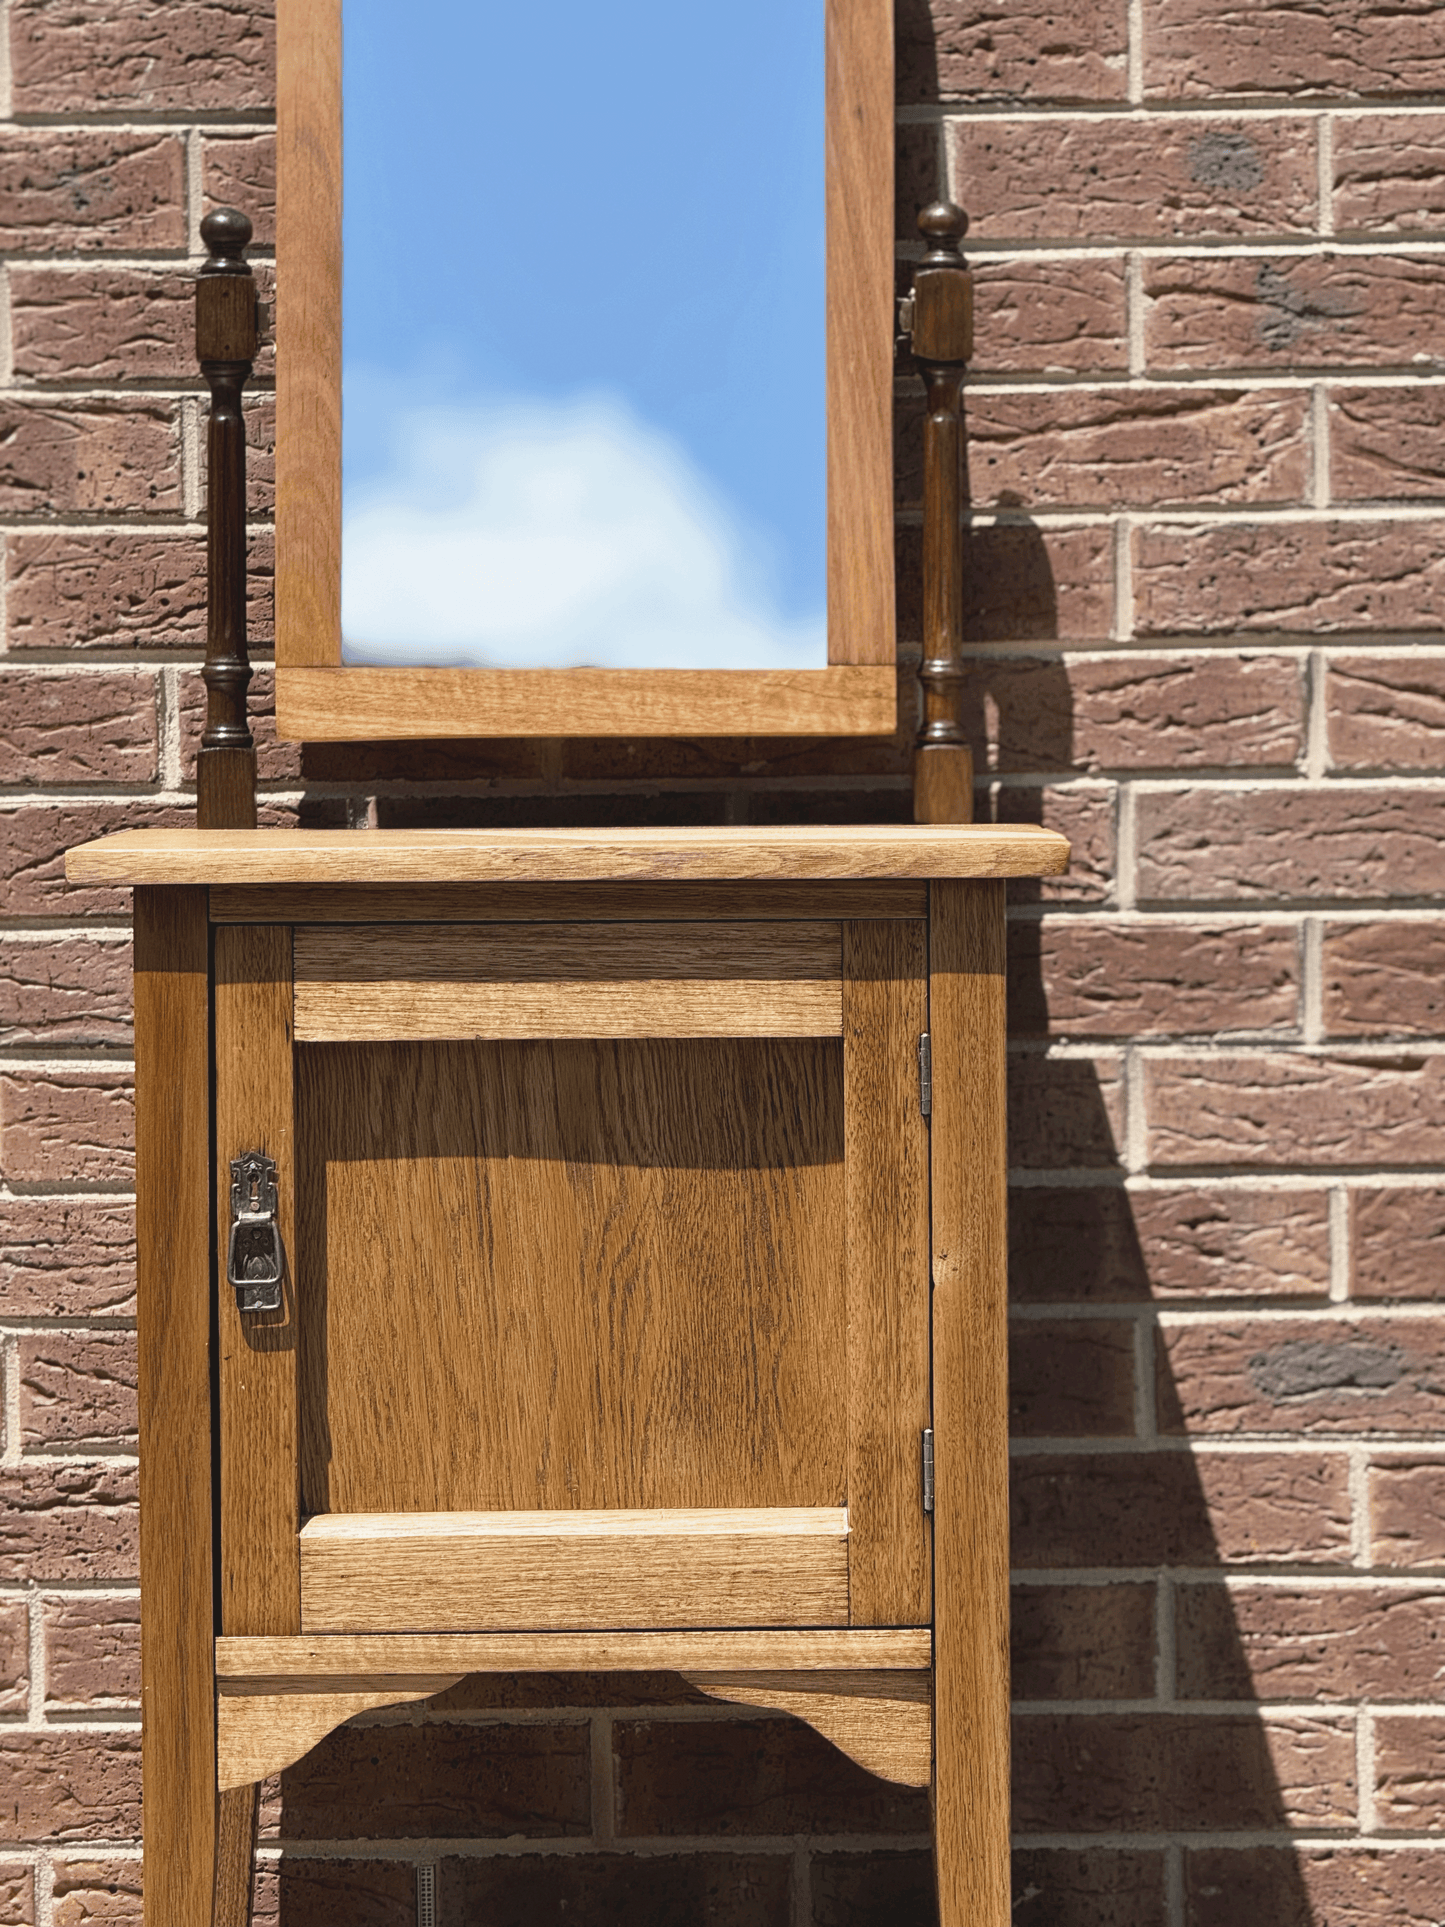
(571, 1275)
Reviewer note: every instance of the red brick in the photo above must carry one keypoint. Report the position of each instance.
(65, 1523)
(1196, 48)
(119, 56)
(1384, 979)
(102, 324)
(70, 1786)
(1397, 1243)
(1275, 1109)
(1086, 977)
(77, 729)
(1299, 1643)
(1321, 1375)
(974, 49)
(1179, 1509)
(1305, 1886)
(1389, 173)
(1071, 1378)
(1409, 1774)
(138, 590)
(17, 1895)
(1202, 844)
(1065, 1112)
(14, 1660)
(420, 1782)
(97, 1893)
(1050, 317)
(33, 842)
(92, 1651)
(1295, 577)
(67, 1127)
(1134, 712)
(83, 457)
(1407, 1509)
(1083, 814)
(1103, 1244)
(1123, 447)
(1022, 583)
(239, 170)
(1385, 444)
(67, 1258)
(1330, 311)
(1083, 1642)
(861, 1889)
(275, 762)
(1386, 712)
(1093, 1887)
(335, 1893)
(521, 1890)
(77, 1389)
(1152, 1773)
(65, 991)
(1062, 179)
(749, 1776)
(102, 188)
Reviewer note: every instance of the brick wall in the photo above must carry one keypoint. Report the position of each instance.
(1205, 578)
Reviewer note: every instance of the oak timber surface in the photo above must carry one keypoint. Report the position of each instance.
(360, 1659)
(567, 902)
(423, 981)
(454, 1571)
(568, 856)
(573, 1274)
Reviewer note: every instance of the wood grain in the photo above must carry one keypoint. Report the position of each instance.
(276, 1664)
(600, 1274)
(860, 138)
(564, 902)
(425, 981)
(882, 1720)
(258, 1350)
(885, 1010)
(235, 1850)
(970, 1404)
(259, 1733)
(173, 1295)
(308, 333)
(455, 1571)
(794, 853)
(359, 704)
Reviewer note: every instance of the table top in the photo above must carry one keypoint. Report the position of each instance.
(790, 853)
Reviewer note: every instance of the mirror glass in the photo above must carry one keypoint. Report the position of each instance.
(584, 415)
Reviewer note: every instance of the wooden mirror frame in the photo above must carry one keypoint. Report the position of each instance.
(318, 698)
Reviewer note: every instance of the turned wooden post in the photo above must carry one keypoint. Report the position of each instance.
(226, 348)
(941, 324)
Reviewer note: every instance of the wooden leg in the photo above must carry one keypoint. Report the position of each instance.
(235, 1856)
(970, 1405)
(173, 1291)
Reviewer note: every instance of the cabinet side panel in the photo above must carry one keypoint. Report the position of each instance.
(861, 615)
(970, 1403)
(308, 334)
(886, 1180)
(173, 1247)
(260, 1570)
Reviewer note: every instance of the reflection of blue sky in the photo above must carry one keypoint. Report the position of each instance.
(584, 299)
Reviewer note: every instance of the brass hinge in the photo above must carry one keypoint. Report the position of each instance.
(925, 1075)
(928, 1470)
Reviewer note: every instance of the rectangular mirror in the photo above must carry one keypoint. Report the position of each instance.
(584, 342)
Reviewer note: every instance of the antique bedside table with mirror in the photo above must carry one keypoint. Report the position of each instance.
(576, 1250)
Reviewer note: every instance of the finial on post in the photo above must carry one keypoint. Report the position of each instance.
(940, 321)
(226, 349)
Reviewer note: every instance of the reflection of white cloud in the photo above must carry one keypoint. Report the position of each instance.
(545, 536)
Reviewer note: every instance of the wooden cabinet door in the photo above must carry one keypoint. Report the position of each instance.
(607, 1288)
